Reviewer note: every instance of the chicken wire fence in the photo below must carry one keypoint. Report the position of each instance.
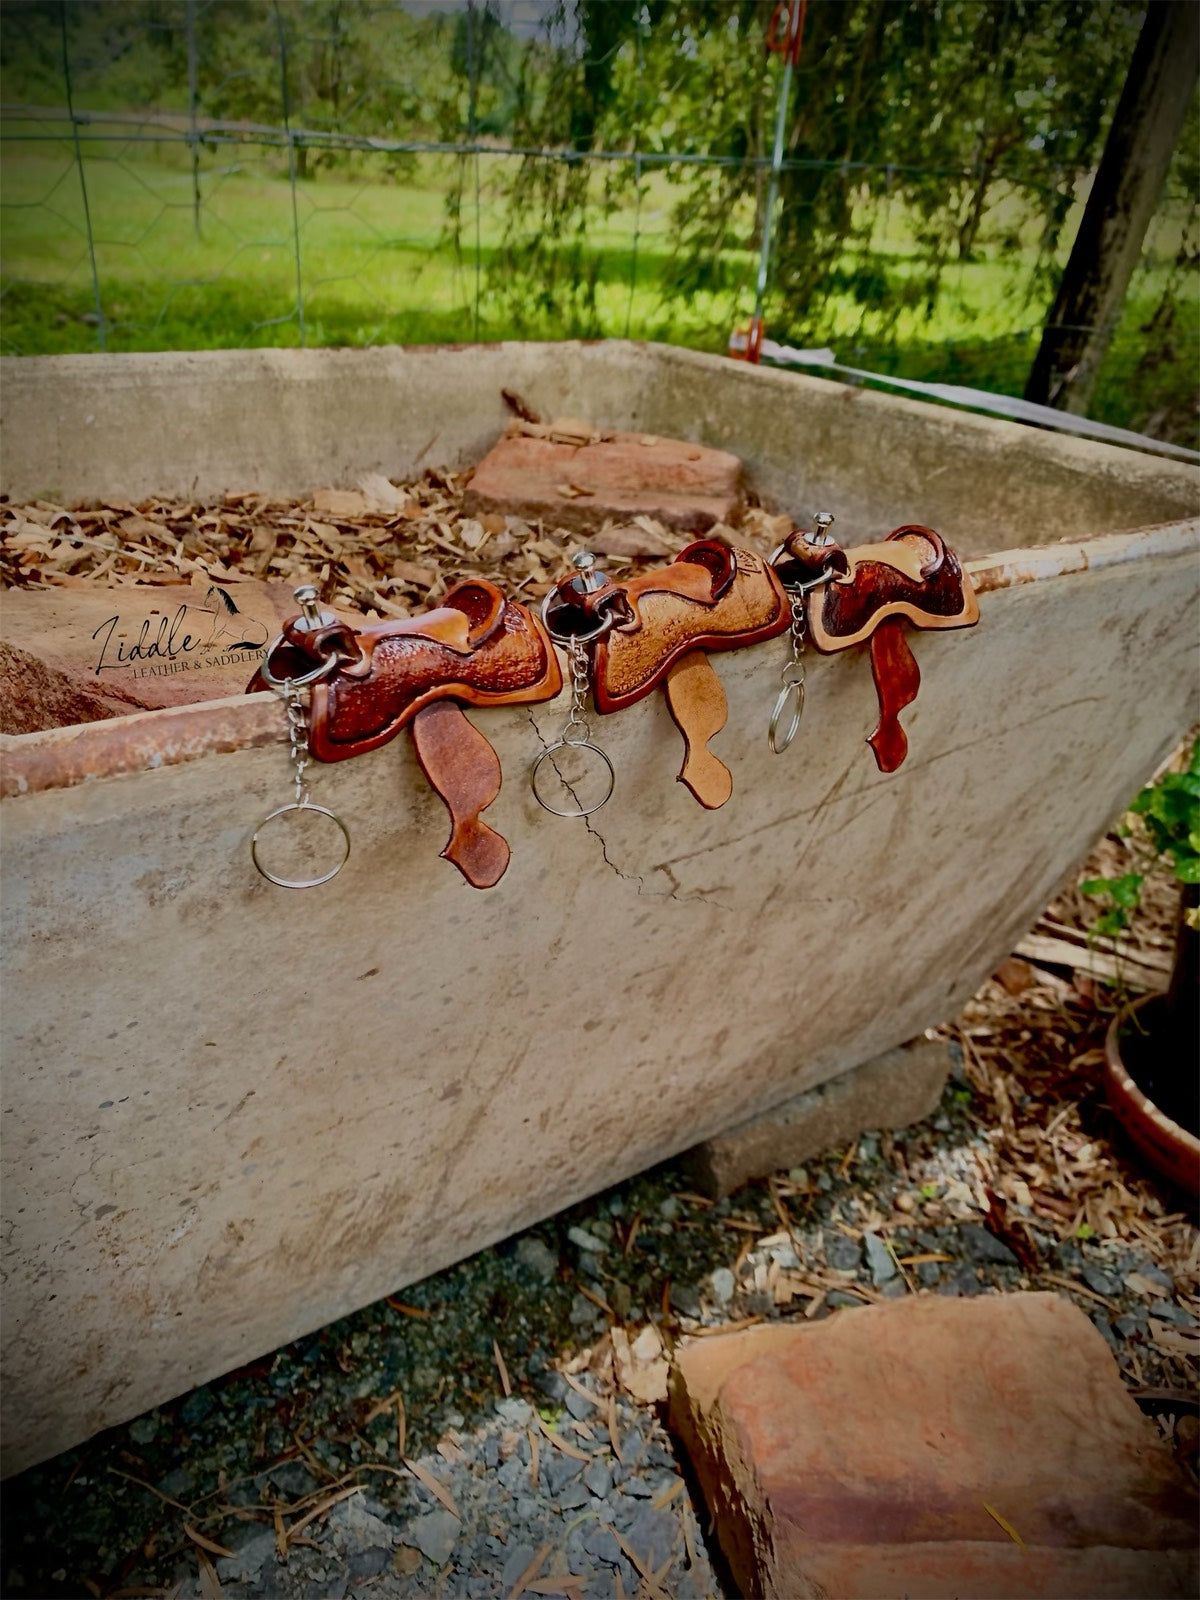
(199, 173)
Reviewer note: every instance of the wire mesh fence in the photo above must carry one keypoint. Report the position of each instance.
(198, 173)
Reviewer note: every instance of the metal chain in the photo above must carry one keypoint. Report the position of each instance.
(793, 673)
(577, 729)
(789, 703)
(295, 694)
(577, 736)
(297, 723)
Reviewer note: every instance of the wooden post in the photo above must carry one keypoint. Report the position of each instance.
(1145, 130)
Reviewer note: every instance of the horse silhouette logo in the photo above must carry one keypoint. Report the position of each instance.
(230, 629)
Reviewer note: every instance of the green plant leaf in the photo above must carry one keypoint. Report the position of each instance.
(1188, 870)
(1127, 891)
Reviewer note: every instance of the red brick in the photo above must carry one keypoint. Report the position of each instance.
(857, 1457)
(684, 486)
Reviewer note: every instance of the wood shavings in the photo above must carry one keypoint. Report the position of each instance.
(386, 549)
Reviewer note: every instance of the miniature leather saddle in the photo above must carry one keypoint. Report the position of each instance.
(477, 648)
(657, 628)
(867, 593)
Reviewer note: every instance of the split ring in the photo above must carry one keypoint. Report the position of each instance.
(572, 744)
(284, 685)
(300, 883)
(790, 701)
(567, 639)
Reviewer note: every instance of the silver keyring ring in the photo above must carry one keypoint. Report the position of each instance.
(572, 744)
(795, 693)
(300, 883)
(574, 638)
(824, 576)
(327, 666)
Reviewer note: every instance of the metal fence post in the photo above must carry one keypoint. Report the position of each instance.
(291, 150)
(101, 326)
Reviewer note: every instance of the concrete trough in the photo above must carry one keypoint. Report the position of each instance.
(233, 1113)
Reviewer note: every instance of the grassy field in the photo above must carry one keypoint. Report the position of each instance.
(373, 262)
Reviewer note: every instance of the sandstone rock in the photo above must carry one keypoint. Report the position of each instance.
(901, 1086)
(908, 1448)
(684, 486)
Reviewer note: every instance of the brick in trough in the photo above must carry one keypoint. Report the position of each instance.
(108, 650)
(688, 487)
(933, 1447)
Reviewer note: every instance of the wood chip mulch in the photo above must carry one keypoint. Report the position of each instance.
(383, 549)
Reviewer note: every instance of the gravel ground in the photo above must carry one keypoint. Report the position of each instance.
(383, 1457)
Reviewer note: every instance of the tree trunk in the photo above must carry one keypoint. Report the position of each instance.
(1145, 130)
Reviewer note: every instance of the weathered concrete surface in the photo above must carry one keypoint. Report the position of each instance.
(287, 421)
(684, 486)
(233, 1113)
(901, 1086)
(863, 1457)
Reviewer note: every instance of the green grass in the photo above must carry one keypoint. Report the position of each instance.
(376, 265)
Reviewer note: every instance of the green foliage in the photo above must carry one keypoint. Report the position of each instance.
(1123, 894)
(935, 151)
(965, 118)
(1170, 810)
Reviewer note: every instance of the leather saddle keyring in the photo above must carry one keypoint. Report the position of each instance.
(477, 648)
(657, 629)
(844, 597)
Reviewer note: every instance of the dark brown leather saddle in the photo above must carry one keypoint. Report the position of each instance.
(477, 648)
(867, 593)
(656, 629)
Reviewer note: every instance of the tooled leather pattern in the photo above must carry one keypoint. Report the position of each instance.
(408, 671)
(875, 589)
(630, 662)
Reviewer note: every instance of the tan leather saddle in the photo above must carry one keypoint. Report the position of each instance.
(656, 629)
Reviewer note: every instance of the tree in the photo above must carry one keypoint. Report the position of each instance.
(944, 107)
(1141, 140)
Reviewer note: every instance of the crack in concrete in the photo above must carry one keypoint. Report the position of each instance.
(674, 893)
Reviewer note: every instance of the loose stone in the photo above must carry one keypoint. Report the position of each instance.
(584, 1240)
(435, 1535)
(518, 1562)
(723, 1285)
(980, 1245)
(1099, 1282)
(879, 1259)
(841, 1252)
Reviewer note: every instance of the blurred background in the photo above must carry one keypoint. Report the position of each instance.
(201, 173)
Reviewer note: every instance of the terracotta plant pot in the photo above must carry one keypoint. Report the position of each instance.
(1169, 1148)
